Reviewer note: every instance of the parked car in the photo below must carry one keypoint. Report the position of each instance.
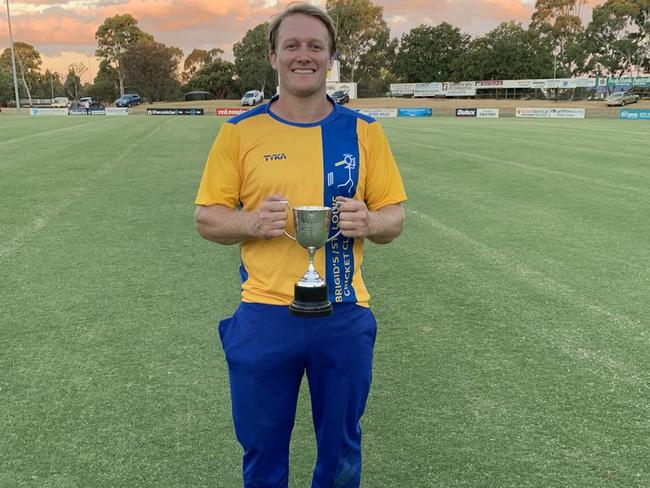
(60, 102)
(341, 97)
(252, 97)
(622, 98)
(128, 100)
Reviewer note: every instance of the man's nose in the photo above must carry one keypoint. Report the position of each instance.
(303, 54)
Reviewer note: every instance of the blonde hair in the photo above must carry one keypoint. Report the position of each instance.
(304, 9)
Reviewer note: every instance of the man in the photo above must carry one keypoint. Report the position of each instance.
(300, 148)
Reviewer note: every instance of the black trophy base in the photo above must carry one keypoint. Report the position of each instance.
(310, 302)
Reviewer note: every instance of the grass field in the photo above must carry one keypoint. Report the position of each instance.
(513, 345)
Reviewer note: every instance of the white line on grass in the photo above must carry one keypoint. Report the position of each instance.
(548, 286)
(616, 154)
(535, 169)
(51, 211)
(49, 132)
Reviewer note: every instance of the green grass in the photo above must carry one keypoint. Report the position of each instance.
(513, 319)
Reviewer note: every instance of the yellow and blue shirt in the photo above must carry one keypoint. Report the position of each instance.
(258, 153)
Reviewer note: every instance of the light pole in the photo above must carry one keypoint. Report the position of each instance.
(13, 59)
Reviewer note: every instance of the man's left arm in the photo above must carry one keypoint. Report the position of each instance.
(380, 226)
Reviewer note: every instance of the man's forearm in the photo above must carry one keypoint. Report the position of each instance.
(224, 225)
(386, 224)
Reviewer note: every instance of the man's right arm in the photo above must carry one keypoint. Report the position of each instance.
(225, 225)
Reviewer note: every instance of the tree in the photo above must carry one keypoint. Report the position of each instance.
(152, 67)
(28, 63)
(427, 53)
(197, 59)
(363, 35)
(373, 74)
(114, 39)
(49, 85)
(558, 23)
(252, 64)
(6, 86)
(72, 83)
(106, 86)
(218, 78)
(508, 52)
(617, 39)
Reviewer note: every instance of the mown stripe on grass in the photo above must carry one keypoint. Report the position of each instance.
(572, 347)
(52, 211)
(535, 169)
(509, 138)
(630, 130)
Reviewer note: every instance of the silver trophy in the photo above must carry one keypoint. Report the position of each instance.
(312, 226)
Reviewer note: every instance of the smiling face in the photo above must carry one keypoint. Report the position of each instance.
(302, 56)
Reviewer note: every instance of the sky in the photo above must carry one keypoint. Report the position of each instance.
(64, 31)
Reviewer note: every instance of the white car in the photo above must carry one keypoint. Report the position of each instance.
(60, 102)
(621, 98)
(252, 97)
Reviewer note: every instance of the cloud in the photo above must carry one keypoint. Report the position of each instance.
(61, 28)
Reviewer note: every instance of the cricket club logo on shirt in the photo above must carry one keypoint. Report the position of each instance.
(349, 163)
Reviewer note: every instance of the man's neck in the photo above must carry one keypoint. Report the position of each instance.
(302, 110)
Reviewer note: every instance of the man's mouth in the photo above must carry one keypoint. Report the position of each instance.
(303, 71)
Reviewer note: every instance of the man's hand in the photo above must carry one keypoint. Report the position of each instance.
(354, 218)
(270, 218)
(380, 226)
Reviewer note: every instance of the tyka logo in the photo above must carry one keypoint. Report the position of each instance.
(274, 157)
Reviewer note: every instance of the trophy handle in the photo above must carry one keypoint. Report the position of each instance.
(333, 237)
(286, 202)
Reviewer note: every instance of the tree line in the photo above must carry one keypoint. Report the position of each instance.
(557, 43)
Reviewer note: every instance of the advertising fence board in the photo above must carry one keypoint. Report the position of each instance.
(48, 111)
(230, 111)
(415, 112)
(489, 84)
(462, 89)
(429, 90)
(77, 111)
(379, 112)
(483, 113)
(536, 113)
(117, 111)
(175, 111)
(552, 113)
(466, 112)
(402, 89)
(567, 113)
(634, 114)
(487, 113)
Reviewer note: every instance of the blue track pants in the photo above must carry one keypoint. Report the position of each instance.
(268, 350)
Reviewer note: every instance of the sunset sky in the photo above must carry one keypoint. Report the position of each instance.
(64, 31)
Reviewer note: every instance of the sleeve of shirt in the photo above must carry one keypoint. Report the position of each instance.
(221, 181)
(384, 184)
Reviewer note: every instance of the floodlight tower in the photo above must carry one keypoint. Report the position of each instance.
(13, 59)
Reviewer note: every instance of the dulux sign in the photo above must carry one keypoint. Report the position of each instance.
(466, 112)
